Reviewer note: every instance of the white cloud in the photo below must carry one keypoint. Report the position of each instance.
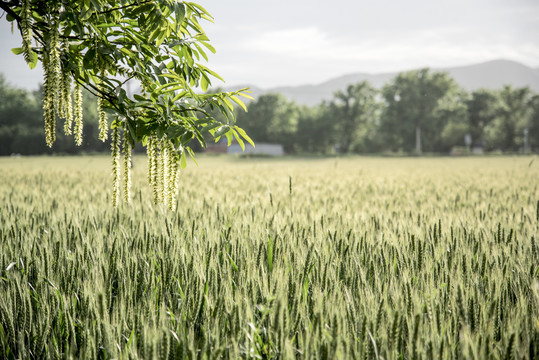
(389, 52)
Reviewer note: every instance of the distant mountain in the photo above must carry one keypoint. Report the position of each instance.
(491, 75)
(495, 74)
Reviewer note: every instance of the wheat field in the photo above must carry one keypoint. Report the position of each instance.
(293, 258)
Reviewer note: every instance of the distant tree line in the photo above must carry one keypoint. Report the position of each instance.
(22, 125)
(416, 112)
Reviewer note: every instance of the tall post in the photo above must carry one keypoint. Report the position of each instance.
(526, 142)
(418, 140)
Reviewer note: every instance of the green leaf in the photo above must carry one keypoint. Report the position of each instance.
(88, 60)
(201, 52)
(211, 72)
(238, 139)
(17, 51)
(238, 101)
(179, 11)
(228, 103)
(204, 83)
(191, 154)
(208, 46)
(199, 7)
(210, 127)
(234, 266)
(33, 59)
(229, 137)
(244, 135)
(221, 131)
(242, 92)
(183, 161)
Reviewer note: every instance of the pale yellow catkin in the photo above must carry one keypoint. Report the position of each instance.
(149, 153)
(77, 98)
(153, 168)
(163, 169)
(60, 107)
(48, 105)
(158, 193)
(128, 150)
(68, 104)
(51, 67)
(173, 163)
(26, 30)
(103, 126)
(164, 173)
(116, 171)
(55, 73)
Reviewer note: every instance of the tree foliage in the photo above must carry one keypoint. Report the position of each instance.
(533, 129)
(316, 133)
(513, 115)
(272, 118)
(352, 108)
(99, 45)
(482, 108)
(412, 99)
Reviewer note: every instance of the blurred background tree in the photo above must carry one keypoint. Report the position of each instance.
(351, 109)
(21, 125)
(513, 115)
(412, 115)
(271, 119)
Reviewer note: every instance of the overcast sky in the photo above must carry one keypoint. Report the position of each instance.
(293, 42)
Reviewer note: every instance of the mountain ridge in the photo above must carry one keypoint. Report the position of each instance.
(492, 74)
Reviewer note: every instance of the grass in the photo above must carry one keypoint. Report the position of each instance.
(272, 258)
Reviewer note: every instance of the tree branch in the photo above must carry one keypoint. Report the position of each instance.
(6, 6)
(124, 7)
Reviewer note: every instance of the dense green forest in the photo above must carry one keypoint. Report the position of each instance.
(417, 111)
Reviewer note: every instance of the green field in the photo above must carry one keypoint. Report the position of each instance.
(273, 259)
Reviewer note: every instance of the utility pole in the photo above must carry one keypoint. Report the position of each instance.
(418, 140)
(526, 141)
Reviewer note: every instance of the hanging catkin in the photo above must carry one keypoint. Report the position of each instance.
(164, 172)
(51, 86)
(67, 102)
(127, 168)
(115, 148)
(173, 164)
(153, 168)
(26, 30)
(77, 99)
(48, 105)
(103, 126)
